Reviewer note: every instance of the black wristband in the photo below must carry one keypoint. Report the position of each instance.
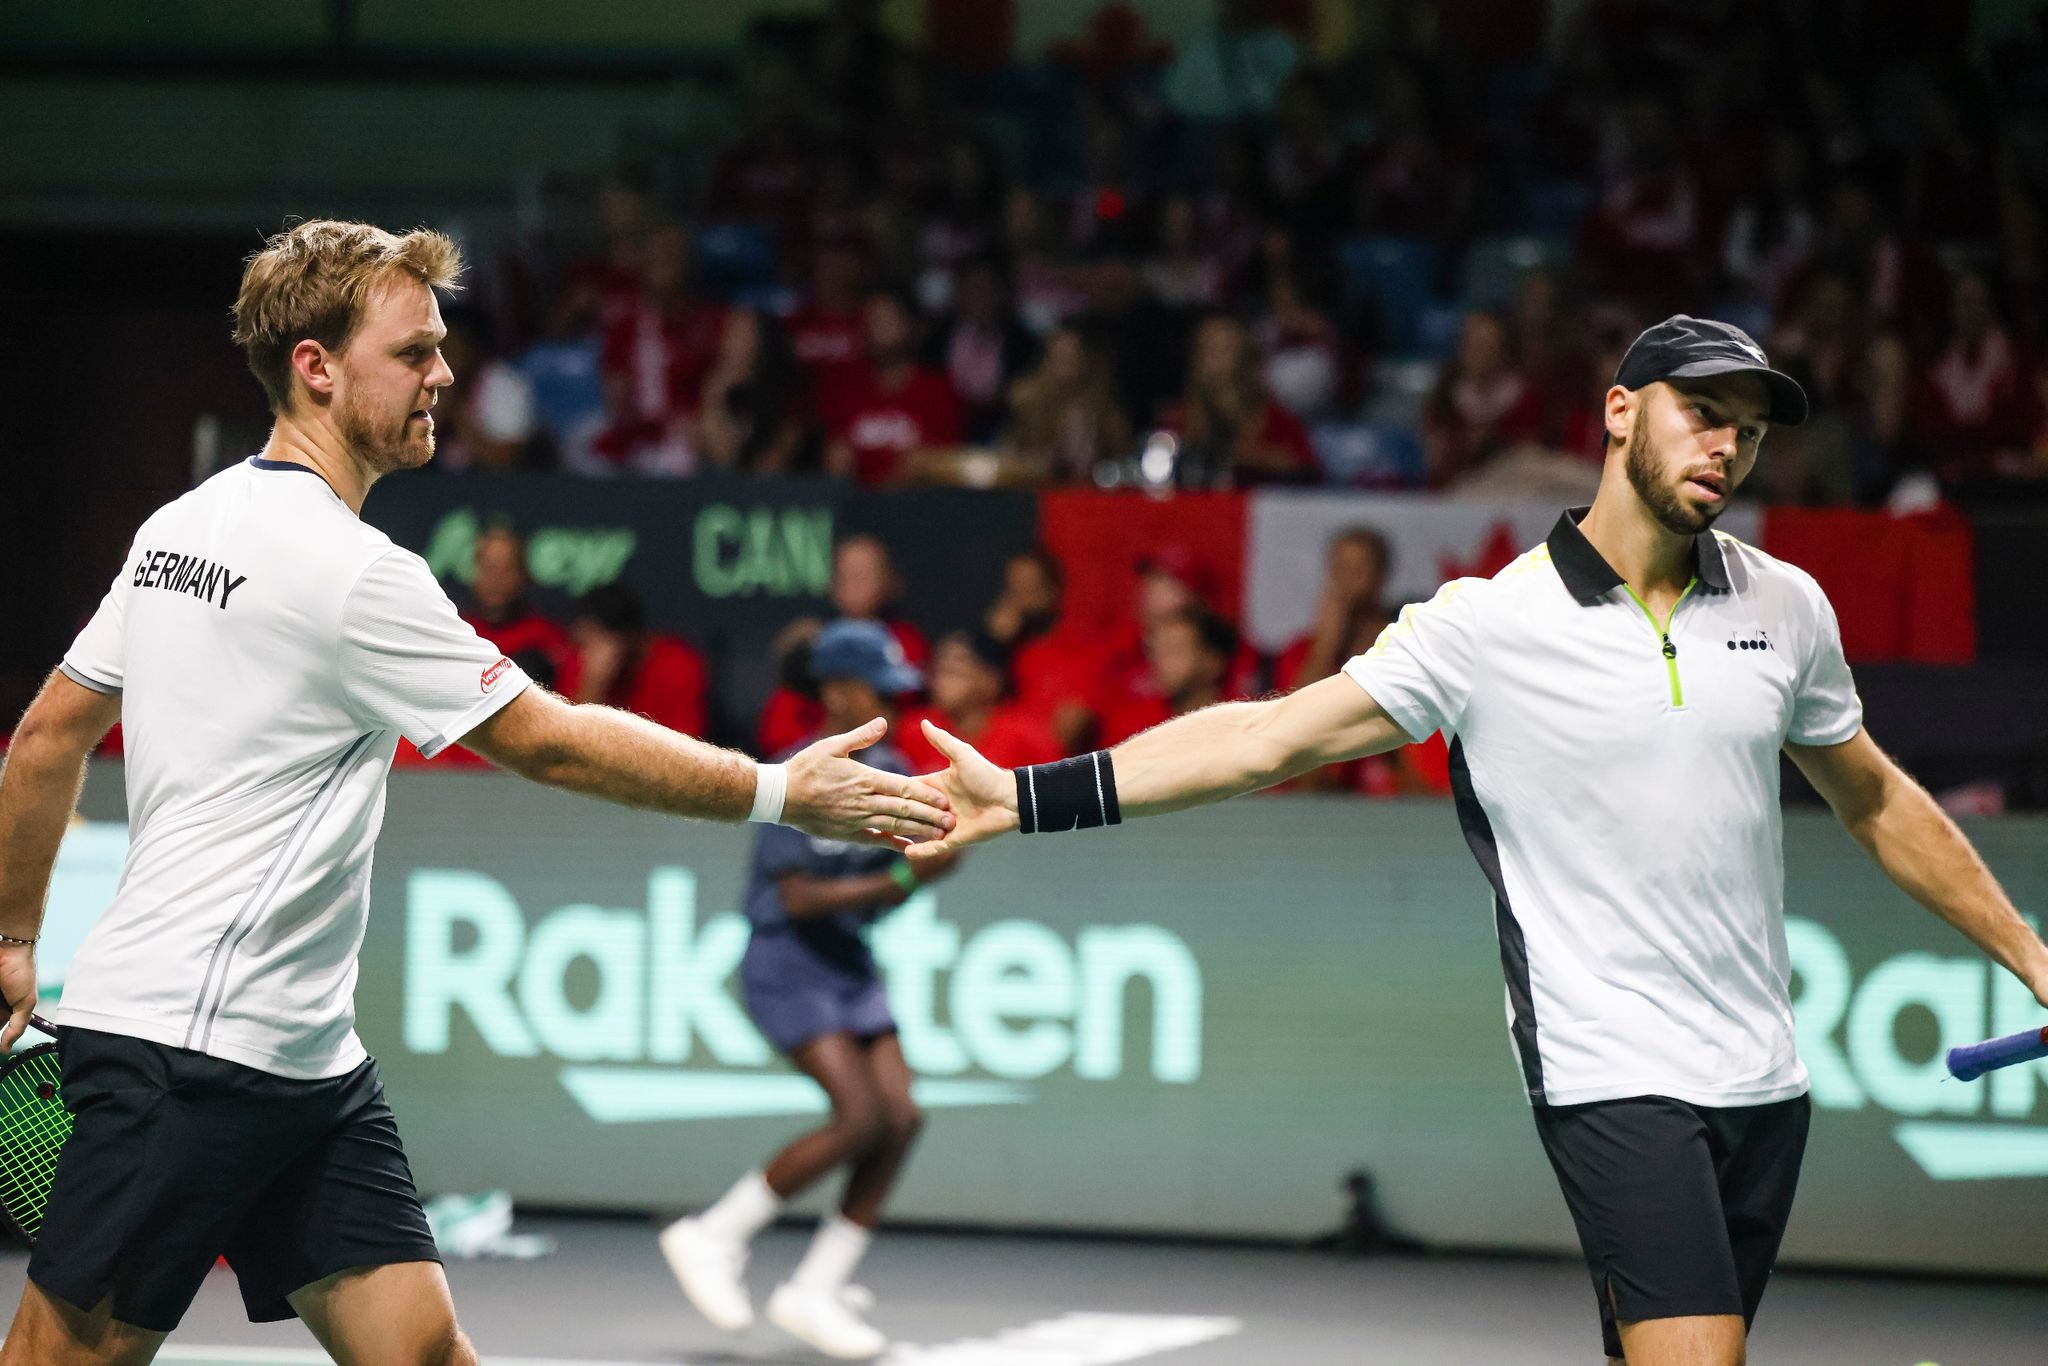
(1073, 794)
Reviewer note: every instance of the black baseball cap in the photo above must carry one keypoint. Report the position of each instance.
(1682, 347)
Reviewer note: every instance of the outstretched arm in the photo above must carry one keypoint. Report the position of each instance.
(38, 790)
(603, 752)
(1206, 756)
(1922, 851)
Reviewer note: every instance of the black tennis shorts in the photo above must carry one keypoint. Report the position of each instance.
(1680, 1208)
(176, 1159)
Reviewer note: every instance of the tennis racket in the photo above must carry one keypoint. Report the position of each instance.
(1974, 1060)
(33, 1127)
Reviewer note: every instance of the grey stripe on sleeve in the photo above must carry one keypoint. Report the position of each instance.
(85, 680)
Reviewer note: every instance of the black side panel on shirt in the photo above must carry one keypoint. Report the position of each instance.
(1514, 949)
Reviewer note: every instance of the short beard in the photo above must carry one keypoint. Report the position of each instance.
(1662, 499)
(382, 451)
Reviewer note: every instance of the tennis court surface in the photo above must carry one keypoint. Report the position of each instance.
(605, 1299)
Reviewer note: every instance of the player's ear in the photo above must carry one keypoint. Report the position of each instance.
(313, 364)
(1621, 409)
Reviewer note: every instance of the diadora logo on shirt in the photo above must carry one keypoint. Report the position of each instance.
(1754, 641)
(495, 672)
(981, 1014)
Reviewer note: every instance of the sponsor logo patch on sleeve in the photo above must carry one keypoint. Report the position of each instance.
(496, 672)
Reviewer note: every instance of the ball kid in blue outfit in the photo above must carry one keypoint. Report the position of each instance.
(810, 985)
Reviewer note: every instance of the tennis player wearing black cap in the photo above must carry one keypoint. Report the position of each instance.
(1616, 701)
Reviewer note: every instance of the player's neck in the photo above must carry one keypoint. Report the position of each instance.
(321, 450)
(1650, 557)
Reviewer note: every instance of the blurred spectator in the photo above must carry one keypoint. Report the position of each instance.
(827, 332)
(1773, 229)
(1188, 657)
(960, 232)
(592, 289)
(1045, 291)
(1950, 182)
(768, 174)
(1643, 239)
(655, 354)
(792, 713)
(982, 348)
(1975, 414)
(1235, 69)
(1231, 428)
(488, 417)
(1184, 271)
(620, 663)
(751, 413)
(1064, 415)
(1170, 581)
(1403, 181)
(895, 407)
(1146, 341)
(1301, 353)
(1482, 406)
(1858, 379)
(1056, 669)
(501, 612)
(1901, 281)
(1350, 614)
(1305, 158)
(866, 587)
(1547, 338)
(970, 688)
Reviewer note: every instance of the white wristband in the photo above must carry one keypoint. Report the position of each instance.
(771, 785)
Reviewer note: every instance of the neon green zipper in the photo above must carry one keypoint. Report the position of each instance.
(1664, 634)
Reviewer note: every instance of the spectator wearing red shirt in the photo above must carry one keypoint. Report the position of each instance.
(594, 288)
(501, 613)
(1976, 416)
(981, 347)
(1057, 673)
(866, 586)
(1482, 405)
(1349, 618)
(895, 407)
(1644, 237)
(1170, 582)
(1232, 429)
(970, 683)
(827, 332)
(620, 663)
(656, 353)
(1190, 654)
(793, 713)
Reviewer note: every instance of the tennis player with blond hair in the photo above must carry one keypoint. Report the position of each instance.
(264, 650)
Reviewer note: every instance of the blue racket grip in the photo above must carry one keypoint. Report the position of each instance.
(1974, 1060)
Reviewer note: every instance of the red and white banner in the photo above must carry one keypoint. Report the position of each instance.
(1432, 539)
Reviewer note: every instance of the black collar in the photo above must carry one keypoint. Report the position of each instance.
(285, 465)
(1590, 578)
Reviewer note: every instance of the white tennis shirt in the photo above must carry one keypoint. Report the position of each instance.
(1617, 779)
(269, 648)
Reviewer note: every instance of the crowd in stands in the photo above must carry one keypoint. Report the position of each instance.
(1021, 684)
(1413, 264)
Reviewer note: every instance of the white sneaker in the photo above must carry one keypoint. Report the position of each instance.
(824, 1320)
(708, 1268)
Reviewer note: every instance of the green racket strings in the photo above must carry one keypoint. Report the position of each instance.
(33, 1127)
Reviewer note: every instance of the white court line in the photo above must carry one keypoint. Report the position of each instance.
(1069, 1340)
(309, 1356)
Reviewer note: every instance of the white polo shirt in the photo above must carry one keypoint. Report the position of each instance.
(269, 648)
(1619, 787)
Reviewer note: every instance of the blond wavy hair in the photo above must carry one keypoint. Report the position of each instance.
(314, 281)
